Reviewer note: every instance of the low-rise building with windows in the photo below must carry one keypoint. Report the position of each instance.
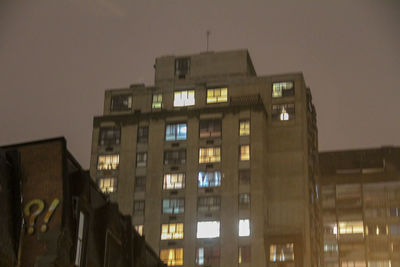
(360, 199)
(217, 166)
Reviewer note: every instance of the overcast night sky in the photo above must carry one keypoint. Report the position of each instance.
(58, 57)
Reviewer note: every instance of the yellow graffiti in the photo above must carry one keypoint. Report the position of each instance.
(32, 216)
(50, 212)
(34, 208)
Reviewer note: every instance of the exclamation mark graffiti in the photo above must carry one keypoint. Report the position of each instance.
(50, 212)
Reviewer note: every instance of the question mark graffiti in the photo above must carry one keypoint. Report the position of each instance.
(32, 217)
(50, 212)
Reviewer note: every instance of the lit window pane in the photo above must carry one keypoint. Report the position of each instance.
(208, 256)
(172, 231)
(108, 162)
(157, 101)
(173, 206)
(174, 181)
(172, 256)
(244, 128)
(139, 229)
(351, 227)
(209, 154)
(208, 229)
(217, 95)
(184, 98)
(283, 112)
(176, 132)
(281, 252)
(107, 185)
(245, 152)
(281, 89)
(209, 179)
(244, 227)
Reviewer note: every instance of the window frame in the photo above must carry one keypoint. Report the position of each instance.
(158, 104)
(246, 130)
(175, 161)
(181, 208)
(120, 96)
(214, 157)
(244, 156)
(176, 235)
(188, 101)
(244, 232)
(208, 180)
(220, 98)
(116, 138)
(174, 261)
(139, 187)
(290, 109)
(177, 129)
(142, 134)
(108, 164)
(211, 131)
(182, 67)
(180, 175)
(208, 206)
(283, 92)
(113, 185)
(210, 236)
(141, 211)
(139, 161)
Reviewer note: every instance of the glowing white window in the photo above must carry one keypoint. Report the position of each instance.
(184, 98)
(79, 244)
(208, 229)
(244, 227)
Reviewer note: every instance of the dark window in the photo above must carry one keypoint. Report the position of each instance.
(283, 112)
(244, 177)
(175, 157)
(244, 254)
(244, 201)
(207, 256)
(208, 204)
(143, 134)
(138, 207)
(140, 184)
(210, 128)
(173, 206)
(141, 159)
(121, 102)
(182, 67)
(110, 136)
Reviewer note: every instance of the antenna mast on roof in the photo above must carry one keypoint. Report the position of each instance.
(208, 35)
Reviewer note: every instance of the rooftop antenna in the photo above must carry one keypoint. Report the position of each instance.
(208, 35)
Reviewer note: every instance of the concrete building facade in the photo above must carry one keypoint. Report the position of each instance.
(360, 197)
(217, 166)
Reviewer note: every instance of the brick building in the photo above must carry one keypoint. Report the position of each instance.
(67, 220)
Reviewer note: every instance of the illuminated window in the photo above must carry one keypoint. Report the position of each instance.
(110, 136)
(121, 102)
(352, 264)
(182, 67)
(141, 159)
(171, 231)
(244, 177)
(210, 128)
(208, 204)
(172, 256)
(245, 152)
(143, 134)
(208, 256)
(138, 207)
(281, 252)
(139, 229)
(281, 89)
(108, 162)
(140, 184)
(217, 95)
(173, 206)
(244, 254)
(175, 157)
(244, 227)
(376, 229)
(184, 98)
(351, 227)
(107, 185)
(174, 181)
(244, 201)
(209, 154)
(176, 132)
(209, 179)
(157, 101)
(244, 127)
(283, 112)
(208, 229)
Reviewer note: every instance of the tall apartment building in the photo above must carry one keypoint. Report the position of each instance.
(361, 207)
(217, 166)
